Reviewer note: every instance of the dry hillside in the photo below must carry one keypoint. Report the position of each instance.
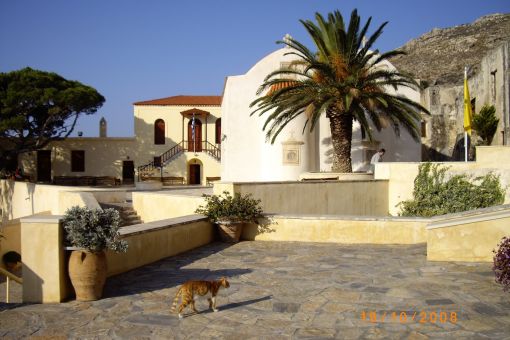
(439, 56)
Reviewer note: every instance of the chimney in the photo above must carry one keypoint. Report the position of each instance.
(102, 127)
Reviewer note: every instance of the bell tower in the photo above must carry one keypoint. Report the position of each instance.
(102, 127)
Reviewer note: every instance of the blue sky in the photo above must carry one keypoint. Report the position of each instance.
(134, 50)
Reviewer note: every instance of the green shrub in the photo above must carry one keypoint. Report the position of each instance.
(93, 229)
(237, 208)
(435, 195)
(486, 124)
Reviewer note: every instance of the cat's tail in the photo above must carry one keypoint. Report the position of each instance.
(176, 300)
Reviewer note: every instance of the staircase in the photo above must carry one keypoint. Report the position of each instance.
(128, 215)
(164, 159)
(174, 152)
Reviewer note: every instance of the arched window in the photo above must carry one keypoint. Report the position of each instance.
(159, 131)
(218, 131)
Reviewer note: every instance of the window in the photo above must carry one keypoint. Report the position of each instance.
(159, 131)
(77, 160)
(218, 131)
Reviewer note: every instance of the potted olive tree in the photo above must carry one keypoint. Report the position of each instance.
(89, 233)
(231, 213)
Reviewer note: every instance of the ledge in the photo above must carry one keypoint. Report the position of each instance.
(309, 182)
(471, 216)
(42, 219)
(161, 224)
(349, 217)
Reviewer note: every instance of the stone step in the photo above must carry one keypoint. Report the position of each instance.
(127, 214)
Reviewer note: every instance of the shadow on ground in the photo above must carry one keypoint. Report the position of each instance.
(230, 306)
(168, 273)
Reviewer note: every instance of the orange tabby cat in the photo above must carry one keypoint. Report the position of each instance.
(190, 291)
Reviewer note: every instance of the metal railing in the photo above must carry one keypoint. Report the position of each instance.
(189, 146)
(163, 159)
(9, 276)
(204, 146)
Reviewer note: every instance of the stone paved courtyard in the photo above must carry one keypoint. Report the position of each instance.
(285, 290)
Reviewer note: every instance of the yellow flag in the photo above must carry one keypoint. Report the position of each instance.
(468, 114)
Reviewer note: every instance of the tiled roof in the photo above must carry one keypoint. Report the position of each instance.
(183, 100)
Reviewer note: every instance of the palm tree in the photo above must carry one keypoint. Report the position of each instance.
(343, 79)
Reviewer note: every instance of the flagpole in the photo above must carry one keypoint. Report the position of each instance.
(465, 147)
(465, 132)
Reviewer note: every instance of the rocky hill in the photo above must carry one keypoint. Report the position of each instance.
(439, 56)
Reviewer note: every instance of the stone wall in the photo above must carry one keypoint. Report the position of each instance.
(445, 126)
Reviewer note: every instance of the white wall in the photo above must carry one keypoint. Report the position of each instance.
(246, 155)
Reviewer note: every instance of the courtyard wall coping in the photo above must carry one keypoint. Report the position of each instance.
(302, 182)
(161, 224)
(349, 217)
(41, 219)
(471, 216)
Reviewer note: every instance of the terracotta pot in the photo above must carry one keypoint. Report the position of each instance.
(87, 271)
(230, 231)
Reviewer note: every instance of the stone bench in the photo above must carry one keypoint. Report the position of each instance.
(86, 180)
(166, 180)
(209, 180)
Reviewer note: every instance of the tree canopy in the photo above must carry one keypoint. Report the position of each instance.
(37, 107)
(343, 79)
(485, 124)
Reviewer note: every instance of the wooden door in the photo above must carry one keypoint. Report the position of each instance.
(128, 172)
(194, 174)
(195, 145)
(44, 165)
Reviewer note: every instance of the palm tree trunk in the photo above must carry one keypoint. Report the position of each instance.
(341, 137)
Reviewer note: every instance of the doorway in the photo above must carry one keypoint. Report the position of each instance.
(195, 145)
(44, 165)
(194, 174)
(128, 172)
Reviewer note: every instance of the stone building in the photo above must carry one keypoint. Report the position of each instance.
(443, 135)
(438, 59)
(177, 138)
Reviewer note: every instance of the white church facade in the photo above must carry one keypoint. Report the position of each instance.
(247, 156)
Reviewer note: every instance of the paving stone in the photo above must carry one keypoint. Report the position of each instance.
(282, 307)
(376, 290)
(282, 290)
(157, 320)
(315, 333)
(485, 309)
(433, 302)
(357, 285)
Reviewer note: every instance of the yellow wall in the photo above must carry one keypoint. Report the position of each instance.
(469, 236)
(45, 278)
(176, 130)
(167, 238)
(401, 175)
(44, 262)
(209, 167)
(339, 229)
(326, 198)
(11, 240)
(154, 206)
(20, 199)
(103, 156)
